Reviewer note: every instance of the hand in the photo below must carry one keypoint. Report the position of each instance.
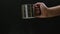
(43, 9)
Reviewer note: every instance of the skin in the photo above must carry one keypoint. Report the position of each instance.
(46, 12)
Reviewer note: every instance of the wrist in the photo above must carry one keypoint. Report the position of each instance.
(52, 12)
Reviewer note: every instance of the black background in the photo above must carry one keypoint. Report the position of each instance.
(12, 23)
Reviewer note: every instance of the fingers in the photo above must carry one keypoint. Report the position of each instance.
(37, 9)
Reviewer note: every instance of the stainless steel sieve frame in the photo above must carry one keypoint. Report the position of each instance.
(25, 12)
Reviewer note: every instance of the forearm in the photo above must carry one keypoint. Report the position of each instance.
(54, 11)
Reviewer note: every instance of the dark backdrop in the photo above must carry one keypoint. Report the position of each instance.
(12, 23)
